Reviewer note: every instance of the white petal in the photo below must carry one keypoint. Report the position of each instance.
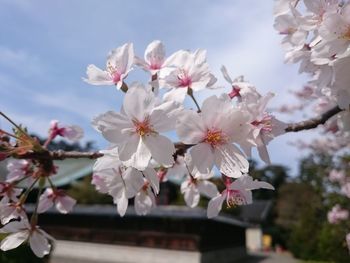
(163, 117)
(155, 53)
(97, 76)
(65, 204)
(122, 58)
(161, 148)
(230, 160)
(215, 205)
(39, 244)
(133, 181)
(143, 203)
(202, 157)
(111, 124)
(138, 102)
(191, 196)
(128, 152)
(226, 75)
(122, 204)
(176, 95)
(190, 127)
(45, 202)
(15, 226)
(264, 154)
(207, 188)
(152, 177)
(14, 240)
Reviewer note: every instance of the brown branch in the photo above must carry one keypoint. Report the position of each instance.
(314, 122)
(180, 147)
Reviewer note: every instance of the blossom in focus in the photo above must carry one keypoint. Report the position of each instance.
(265, 127)
(154, 58)
(213, 131)
(337, 214)
(136, 130)
(335, 34)
(241, 89)
(186, 71)
(72, 132)
(64, 203)
(21, 231)
(238, 192)
(119, 63)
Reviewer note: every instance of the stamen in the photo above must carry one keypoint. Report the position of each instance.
(215, 137)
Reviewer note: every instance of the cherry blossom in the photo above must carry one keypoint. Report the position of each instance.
(136, 129)
(64, 203)
(265, 127)
(119, 63)
(241, 89)
(238, 192)
(18, 169)
(119, 181)
(145, 199)
(21, 231)
(73, 132)
(9, 211)
(9, 192)
(213, 131)
(154, 58)
(337, 214)
(197, 184)
(186, 71)
(337, 176)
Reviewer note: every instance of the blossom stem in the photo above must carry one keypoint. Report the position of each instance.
(24, 196)
(13, 123)
(51, 184)
(190, 93)
(34, 217)
(9, 134)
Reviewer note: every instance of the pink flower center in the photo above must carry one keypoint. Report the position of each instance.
(265, 122)
(215, 137)
(235, 92)
(234, 197)
(184, 79)
(116, 77)
(143, 128)
(155, 66)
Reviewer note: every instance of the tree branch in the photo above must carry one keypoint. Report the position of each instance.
(314, 122)
(180, 147)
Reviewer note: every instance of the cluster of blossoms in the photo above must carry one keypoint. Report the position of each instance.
(218, 135)
(24, 175)
(317, 36)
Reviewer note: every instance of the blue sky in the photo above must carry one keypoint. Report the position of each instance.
(45, 47)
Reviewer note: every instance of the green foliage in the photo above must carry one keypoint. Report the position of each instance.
(302, 208)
